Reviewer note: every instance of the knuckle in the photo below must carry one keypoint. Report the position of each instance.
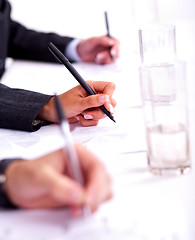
(91, 101)
(112, 85)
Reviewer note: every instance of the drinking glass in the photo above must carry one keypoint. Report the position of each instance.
(166, 118)
(157, 43)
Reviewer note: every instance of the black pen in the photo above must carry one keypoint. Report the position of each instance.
(108, 30)
(62, 59)
(73, 166)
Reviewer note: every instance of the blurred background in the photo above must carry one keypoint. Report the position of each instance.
(85, 18)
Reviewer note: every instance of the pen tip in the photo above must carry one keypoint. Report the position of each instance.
(112, 118)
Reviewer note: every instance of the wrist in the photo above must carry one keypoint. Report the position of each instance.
(72, 50)
(47, 113)
(5, 201)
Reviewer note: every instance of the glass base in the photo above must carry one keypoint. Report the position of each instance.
(170, 171)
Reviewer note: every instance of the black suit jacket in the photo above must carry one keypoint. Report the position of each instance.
(18, 108)
(16, 41)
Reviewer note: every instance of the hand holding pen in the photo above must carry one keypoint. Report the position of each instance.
(87, 88)
(81, 107)
(100, 48)
(74, 169)
(45, 183)
(96, 50)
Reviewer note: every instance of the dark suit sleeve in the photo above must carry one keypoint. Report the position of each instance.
(32, 45)
(19, 108)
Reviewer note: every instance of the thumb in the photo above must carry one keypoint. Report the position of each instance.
(106, 41)
(94, 100)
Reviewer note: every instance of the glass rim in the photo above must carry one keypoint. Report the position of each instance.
(157, 27)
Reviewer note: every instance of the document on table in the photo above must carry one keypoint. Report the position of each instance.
(130, 215)
(58, 225)
(108, 138)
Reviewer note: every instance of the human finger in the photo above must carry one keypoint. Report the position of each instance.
(104, 57)
(97, 113)
(102, 87)
(64, 189)
(98, 183)
(88, 120)
(93, 101)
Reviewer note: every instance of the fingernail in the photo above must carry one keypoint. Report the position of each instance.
(113, 52)
(111, 108)
(77, 212)
(88, 116)
(103, 98)
(111, 42)
(99, 58)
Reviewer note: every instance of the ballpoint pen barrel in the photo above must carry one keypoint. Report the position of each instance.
(73, 163)
(107, 24)
(108, 32)
(61, 58)
(78, 77)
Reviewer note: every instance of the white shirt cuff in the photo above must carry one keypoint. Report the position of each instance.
(71, 50)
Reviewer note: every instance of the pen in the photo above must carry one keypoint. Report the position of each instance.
(73, 166)
(108, 30)
(62, 59)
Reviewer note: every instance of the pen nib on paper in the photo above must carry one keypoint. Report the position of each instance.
(113, 119)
